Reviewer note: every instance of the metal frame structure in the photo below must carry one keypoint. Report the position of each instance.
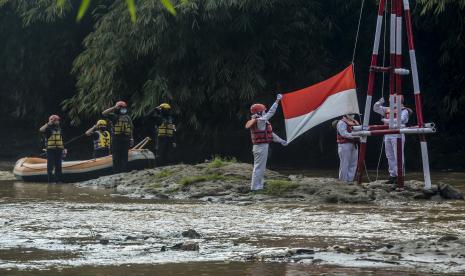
(398, 9)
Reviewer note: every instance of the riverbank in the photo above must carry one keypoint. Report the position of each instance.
(225, 181)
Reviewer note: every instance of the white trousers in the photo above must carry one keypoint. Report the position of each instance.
(348, 157)
(390, 146)
(260, 155)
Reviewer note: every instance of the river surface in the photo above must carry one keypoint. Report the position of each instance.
(60, 229)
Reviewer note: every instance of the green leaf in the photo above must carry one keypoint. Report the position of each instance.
(169, 6)
(60, 3)
(82, 9)
(132, 10)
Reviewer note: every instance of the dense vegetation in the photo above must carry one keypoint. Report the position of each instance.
(211, 61)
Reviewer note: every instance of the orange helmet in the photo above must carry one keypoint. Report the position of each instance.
(121, 104)
(255, 108)
(53, 118)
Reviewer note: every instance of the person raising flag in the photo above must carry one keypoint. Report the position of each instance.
(262, 135)
(347, 148)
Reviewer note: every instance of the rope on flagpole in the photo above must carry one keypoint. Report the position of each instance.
(358, 31)
(382, 87)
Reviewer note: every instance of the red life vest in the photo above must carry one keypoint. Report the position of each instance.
(387, 112)
(350, 123)
(261, 136)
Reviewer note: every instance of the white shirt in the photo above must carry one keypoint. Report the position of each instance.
(378, 108)
(342, 130)
(262, 120)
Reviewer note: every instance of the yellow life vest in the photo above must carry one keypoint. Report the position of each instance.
(123, 126)
(103, 141)
(55, 140)
(166, 129)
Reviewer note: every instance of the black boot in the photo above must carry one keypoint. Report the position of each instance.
(391, 180)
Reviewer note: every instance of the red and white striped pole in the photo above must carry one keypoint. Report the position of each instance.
(392, 62)
(398, 112)
(371, 84)
(416, 91)
(379, 132)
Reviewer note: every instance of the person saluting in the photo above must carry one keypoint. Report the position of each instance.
(55, 148)
(101, 138)
(165, 134)
(122, 135)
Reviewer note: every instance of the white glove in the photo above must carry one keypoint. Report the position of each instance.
(381, 101)
(279, 97)
(284, 143)
(174, 145)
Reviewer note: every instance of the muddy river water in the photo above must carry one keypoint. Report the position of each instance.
(61, 229)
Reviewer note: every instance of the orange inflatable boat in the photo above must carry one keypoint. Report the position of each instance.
(34, 169)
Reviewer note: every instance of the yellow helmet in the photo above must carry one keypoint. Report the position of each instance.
(165, 106)
(101, 123)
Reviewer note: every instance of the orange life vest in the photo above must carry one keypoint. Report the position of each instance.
(387, 112)
(350, 123)
(261, 136)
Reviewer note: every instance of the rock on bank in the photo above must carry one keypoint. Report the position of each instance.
(223, 181)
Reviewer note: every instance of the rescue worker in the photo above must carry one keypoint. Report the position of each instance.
(122, 138)
(262, 135)
(165, 134)
(390, 140)
(101, 138)
(347, 148)
(55, 148)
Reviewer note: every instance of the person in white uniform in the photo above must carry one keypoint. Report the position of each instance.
(262, 135)
(390, 140)
(347, 148)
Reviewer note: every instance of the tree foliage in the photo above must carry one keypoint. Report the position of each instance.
(36, 52)
(446, 18)
(214, 57)
(212, 60)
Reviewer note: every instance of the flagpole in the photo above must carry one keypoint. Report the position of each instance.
(399, 144)
(371, 83)
(416, 91)
(407, 130)
(396, 72)
(392, 62)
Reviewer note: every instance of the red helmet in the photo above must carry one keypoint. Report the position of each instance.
(255, 108)
(53, 118)
(121, 104)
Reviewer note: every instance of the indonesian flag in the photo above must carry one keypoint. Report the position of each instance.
(311, 106)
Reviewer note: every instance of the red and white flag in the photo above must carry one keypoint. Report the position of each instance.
(311, 106)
